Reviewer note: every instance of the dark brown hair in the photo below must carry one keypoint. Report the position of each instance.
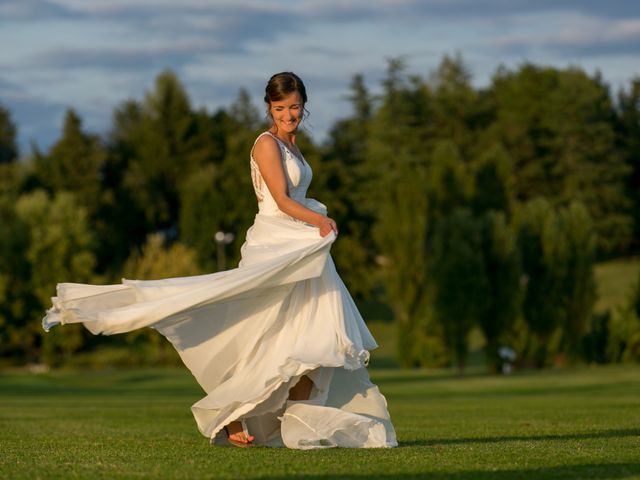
(283, 84)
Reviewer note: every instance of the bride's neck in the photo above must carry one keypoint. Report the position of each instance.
(289, 138)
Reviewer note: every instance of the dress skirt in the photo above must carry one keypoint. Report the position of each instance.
(249, 334)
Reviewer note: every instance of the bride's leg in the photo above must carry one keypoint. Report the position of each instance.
(302, 389)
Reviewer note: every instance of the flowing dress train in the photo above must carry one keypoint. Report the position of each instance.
(249, 334)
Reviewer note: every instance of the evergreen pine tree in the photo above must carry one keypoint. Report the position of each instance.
(73, 164)
(8, 131)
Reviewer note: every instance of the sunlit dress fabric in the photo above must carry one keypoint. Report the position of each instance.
(249, 334)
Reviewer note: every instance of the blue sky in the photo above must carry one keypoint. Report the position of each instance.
(93, 54)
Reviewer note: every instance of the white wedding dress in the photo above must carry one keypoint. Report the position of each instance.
(249, 334)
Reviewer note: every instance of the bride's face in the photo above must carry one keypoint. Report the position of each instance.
(287, 113)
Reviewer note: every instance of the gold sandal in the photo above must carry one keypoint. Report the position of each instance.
(239, 443)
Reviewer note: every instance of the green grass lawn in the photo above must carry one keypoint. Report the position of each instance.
(582, 423)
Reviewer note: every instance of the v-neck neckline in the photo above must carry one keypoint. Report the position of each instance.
(300, 158)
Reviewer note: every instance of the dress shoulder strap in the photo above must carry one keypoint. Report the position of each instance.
(261, 135)
(278, 141)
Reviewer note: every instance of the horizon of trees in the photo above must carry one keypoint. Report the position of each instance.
(459, 208)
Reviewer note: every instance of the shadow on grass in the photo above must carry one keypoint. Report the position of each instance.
(581, 471)
(629, 432)
(492, 391)
(141, 385)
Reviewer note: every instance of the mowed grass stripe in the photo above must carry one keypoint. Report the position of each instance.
(582, 423)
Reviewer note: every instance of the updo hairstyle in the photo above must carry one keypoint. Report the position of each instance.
(282, 85)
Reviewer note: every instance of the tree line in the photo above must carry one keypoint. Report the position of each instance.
(459, 208)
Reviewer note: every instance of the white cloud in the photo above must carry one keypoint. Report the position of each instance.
(575, 33)
(94, 53)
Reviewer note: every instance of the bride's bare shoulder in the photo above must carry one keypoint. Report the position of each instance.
(266, 147)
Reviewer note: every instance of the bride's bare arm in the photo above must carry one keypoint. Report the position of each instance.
(267, 155)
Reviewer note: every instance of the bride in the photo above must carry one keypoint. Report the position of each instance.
(277, 344)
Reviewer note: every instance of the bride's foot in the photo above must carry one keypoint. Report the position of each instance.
(237, 436)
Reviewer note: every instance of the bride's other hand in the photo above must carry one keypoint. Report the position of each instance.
(327, 226)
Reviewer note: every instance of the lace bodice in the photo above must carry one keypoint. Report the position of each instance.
(297, 172)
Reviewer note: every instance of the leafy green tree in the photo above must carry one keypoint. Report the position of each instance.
(494, 182)
(542, 305)
(558, 127)
(635, 298)
(340, 181)
(628, 129)
(623, 332)
(632, 345)
(558, 248)
(578, 252)
(401, 232)
(233, 194)
(156, 260)
(448, 188)
(58, 248)
(460, 281)
(493, 200)
(595, 342)
(8, 145)
(17, 300)
(449, 185)
(397, 171)
(120, 223)
(503, 272)
(405, 167)
(201, 212)
(456, 106)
